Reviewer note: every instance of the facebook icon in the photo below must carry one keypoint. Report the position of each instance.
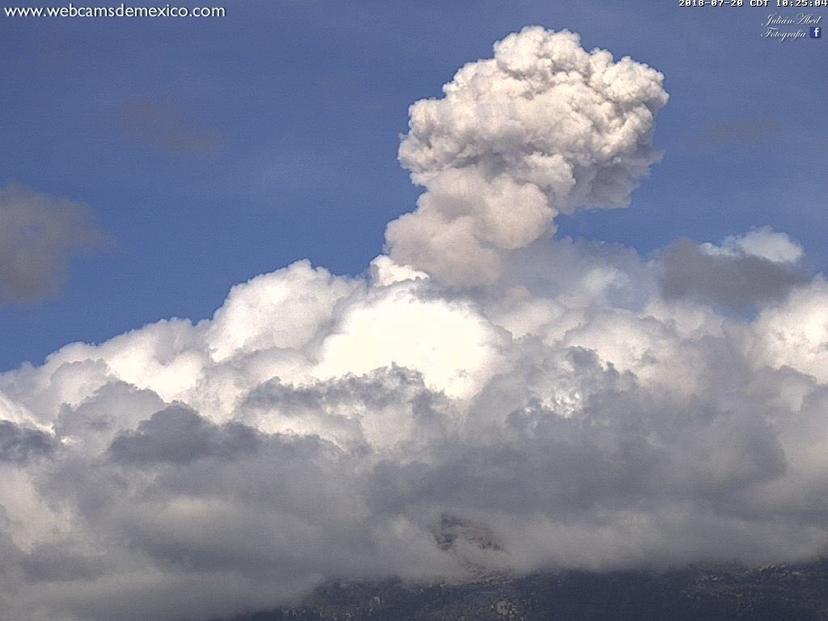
(816, 32)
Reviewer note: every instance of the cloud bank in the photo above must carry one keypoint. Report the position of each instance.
(477, 402)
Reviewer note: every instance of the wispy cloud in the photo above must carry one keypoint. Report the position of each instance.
(38, 236)
(166, 127)
(739, 132)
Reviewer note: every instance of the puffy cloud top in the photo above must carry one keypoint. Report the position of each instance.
(763, 243)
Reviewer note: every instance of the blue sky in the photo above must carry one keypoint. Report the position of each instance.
(215, 150)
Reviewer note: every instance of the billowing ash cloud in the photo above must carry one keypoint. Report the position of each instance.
(38, 235)
(543, 128)
(578, 412)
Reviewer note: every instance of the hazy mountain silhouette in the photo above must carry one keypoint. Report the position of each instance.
(773, 593)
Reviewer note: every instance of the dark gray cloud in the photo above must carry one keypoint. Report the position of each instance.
(165, 127)
(20, 444)
(61, 563)
(356, 408)
(177, 435)
(734, 282)
(38, 235)
(626, 450)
